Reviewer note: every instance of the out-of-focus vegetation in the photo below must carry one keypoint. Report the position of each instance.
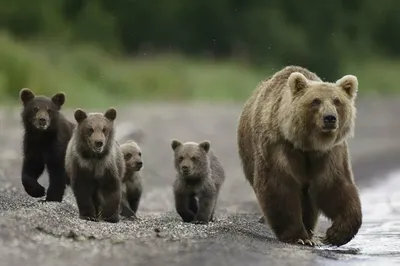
(103, 51)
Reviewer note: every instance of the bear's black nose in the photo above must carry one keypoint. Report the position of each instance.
(139, 163)
(99, 143)
(329, 119)
(185, 168)
(42, 120)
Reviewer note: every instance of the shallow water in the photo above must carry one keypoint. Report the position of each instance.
(378, 241)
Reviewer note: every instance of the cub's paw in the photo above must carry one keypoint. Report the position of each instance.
(89, 218)
(200, 222)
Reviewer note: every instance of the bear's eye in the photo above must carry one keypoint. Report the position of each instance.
(180, 158)
(316, 102)
(91, 130)
(140, 154)
(336, 101)
(104, 130)
(128, 156)
(194, 158)
(48, 110)
(35, 108)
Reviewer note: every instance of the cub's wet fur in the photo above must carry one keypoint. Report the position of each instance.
(46, 136)
(95, 164)
(132, 182)
(198, 181)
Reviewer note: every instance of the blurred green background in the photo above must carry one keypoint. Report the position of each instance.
(107, 52)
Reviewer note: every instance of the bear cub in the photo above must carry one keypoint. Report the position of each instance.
(95, 164)
(198, 181)
(46, 136)
(132, 182)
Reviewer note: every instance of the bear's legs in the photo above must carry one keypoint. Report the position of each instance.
(340, 202)
(310, 212)
(133, 195)
(57, 181)
(280, 200)
(83, 191)
(32, 169)
(182, 206)
(193, 204)
(206, 207)
(111, 194)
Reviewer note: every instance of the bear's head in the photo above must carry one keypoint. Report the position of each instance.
(191, 159)
(319, 114)
(40, 112)
(95, 131)
(132, 155)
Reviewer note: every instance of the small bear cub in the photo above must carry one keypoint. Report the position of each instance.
(132, 182)
(46, 136)
(96, 166)
(198, 180)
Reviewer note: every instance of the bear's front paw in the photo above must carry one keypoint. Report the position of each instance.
(89, 218)
(112, 219)
(200, 222)
(338, 235)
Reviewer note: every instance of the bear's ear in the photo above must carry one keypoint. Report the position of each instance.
(111, 114)
(80, 115)
(205, 145)
(297, 82)
(349, 84)
(58, 99)
(26, 95)
(175, 144)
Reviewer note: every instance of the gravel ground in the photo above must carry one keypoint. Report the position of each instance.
(36, 233)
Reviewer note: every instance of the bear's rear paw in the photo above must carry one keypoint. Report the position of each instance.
(261, 220)
(88, 218)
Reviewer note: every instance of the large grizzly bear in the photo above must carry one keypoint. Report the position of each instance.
(95, 164)
(46, 136)
(292, 140)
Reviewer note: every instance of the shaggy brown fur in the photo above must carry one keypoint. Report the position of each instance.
(292, 140)
(132, 187)
(198, 181)
(95, 164)
(46, 136)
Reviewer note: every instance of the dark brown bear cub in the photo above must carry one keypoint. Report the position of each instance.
(132, 187)
(46, 136)
(198, 181)
(95, 164)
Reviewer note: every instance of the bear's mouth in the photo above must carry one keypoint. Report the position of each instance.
(42, 126)
(329, 128)
(98, 150)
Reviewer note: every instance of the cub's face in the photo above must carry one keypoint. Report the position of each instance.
(40, 111)
(321, 113)
(96, 130)
(132, 155)
(191, 159)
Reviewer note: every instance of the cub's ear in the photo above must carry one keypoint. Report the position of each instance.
(111, 114)
(297, 82)
(349, 84)
(175, 144)
(25, 95)
(80, 115)
(205, 145)
(58, 99)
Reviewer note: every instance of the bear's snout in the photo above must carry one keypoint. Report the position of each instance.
(330, 122)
